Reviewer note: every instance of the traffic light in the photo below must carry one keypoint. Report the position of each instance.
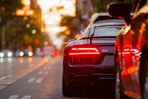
(36, 41)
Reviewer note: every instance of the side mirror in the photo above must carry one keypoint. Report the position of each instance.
(120, 10)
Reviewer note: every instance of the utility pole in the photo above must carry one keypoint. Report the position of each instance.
(2, 11)
(0, 19)
(3, 37)
(2, 23)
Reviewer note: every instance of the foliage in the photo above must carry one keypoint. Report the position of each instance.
(17, 34)
(8, 8)
(72, 23)
(25, 37)
(69, 22)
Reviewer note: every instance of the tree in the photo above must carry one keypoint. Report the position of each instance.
(7, 14)
(27, 32)
(72, 23)
(17, 33)
(7, 9)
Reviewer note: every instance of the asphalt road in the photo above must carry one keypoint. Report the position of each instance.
(36, 78)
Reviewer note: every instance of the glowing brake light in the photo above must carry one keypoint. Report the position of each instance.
(84, 51)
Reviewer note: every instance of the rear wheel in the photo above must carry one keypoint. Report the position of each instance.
(66, 90)
(66, 87)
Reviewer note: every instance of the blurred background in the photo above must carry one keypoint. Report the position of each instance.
(35, 24)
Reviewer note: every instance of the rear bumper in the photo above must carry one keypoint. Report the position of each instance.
(89, 76)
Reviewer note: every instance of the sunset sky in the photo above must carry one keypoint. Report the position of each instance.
(53, 17)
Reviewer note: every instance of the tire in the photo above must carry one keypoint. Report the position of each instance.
(144, 85)
(66, 90)
(119, 89)
(65, 87)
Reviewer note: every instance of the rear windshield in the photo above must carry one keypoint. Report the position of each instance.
(106, 30)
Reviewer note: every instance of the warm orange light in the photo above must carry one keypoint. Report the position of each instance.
(26, 2)
(29, 12)
(22, 12)
(67, 32)
(60, 7)
(29, 47)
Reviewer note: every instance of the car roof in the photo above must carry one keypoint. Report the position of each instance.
(109, 22)
(102, 16)
(99, 16)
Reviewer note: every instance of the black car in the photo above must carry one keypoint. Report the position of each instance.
(89, 61)
(131, 51)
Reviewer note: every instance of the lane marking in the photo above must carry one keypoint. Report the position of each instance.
(27, 97)
(22, 72)
(39, 80)
(13, 97)
(16, 97)
(5, 77)
(31, 80)
(43, 72)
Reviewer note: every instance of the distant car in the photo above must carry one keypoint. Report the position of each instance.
(38, 52)
(131, 51)
(48, 51)
(6, 53)
(23, 53)
(90, 59)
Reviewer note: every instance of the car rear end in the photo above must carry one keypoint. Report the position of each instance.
(90, 64)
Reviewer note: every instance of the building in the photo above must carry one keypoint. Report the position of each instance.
(85, 8)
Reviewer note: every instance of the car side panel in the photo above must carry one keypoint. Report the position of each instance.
(129, 45)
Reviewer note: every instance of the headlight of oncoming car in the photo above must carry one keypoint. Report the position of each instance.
(9, 54)
(1, 54)
(30, 53)
(21, 53)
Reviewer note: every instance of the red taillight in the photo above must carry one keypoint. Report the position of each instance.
(84, 54)
(84, 51)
